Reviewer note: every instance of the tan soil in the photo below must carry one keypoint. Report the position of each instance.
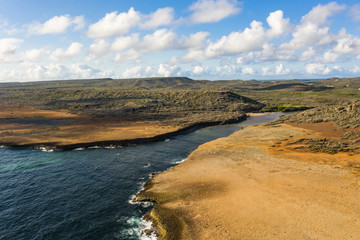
(83, 130)
(242, 187)
(323, 129)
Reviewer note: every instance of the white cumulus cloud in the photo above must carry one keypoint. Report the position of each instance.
(313, 29)
(33, 55)
(278, 24)
(57, 25)
(114, 23)
(138, 72)
(226, 70)
(8, 47)
(307, 54)
(196, 41)
(167, 70)
(319, 15)
(161, 17)
(319, 68)
(159, 40)
(125, 42)
(236, 42)
(132, 47)
(73, 50)
(281, 70)
(200, 69)
(347, 44)
(131, 54)
(207, 11)
(99, 48)
(250, 40)
(248, 71)
(330, 56)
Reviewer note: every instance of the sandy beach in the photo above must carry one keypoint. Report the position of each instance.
(249, 186)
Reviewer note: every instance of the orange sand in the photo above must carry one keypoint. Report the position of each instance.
(83, 130)
(240, 187)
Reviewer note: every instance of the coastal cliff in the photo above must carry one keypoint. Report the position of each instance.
(255, 185)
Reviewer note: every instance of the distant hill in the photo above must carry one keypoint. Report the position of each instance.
(150, 83)
(147, 83)
(148, 93)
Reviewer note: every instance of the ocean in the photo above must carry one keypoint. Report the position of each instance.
(87, 194)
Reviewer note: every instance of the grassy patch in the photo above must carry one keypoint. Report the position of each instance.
(283, 108)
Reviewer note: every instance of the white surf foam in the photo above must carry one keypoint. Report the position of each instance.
(180, 161)
(46, 150)
(147, 226)
(139, 228)
(110, 147)
(132, 200)
(95, 147)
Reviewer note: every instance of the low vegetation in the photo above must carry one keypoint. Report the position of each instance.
(346, 115)
(183, 102)
(327, 145)
(152, 94)
(283, 108)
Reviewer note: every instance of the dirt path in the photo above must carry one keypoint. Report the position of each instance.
(234, 188)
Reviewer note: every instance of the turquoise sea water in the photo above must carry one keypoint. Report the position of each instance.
(86, 194)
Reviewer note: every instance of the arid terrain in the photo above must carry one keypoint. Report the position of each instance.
(295, 178)
(28, 127)
(113, 112)
(263, 183)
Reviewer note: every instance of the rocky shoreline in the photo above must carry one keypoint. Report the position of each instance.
(120, 143)
(244, 186)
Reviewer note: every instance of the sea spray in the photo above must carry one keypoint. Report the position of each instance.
(139, 228)
(147, 232)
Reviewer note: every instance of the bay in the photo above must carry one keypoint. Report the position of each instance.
(87, 194)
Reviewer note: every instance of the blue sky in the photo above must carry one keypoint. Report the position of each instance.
(200, 39)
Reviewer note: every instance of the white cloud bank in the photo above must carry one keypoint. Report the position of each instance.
(53, 72)
(274, 47)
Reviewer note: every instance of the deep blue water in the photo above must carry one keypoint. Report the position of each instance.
(85, 194)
